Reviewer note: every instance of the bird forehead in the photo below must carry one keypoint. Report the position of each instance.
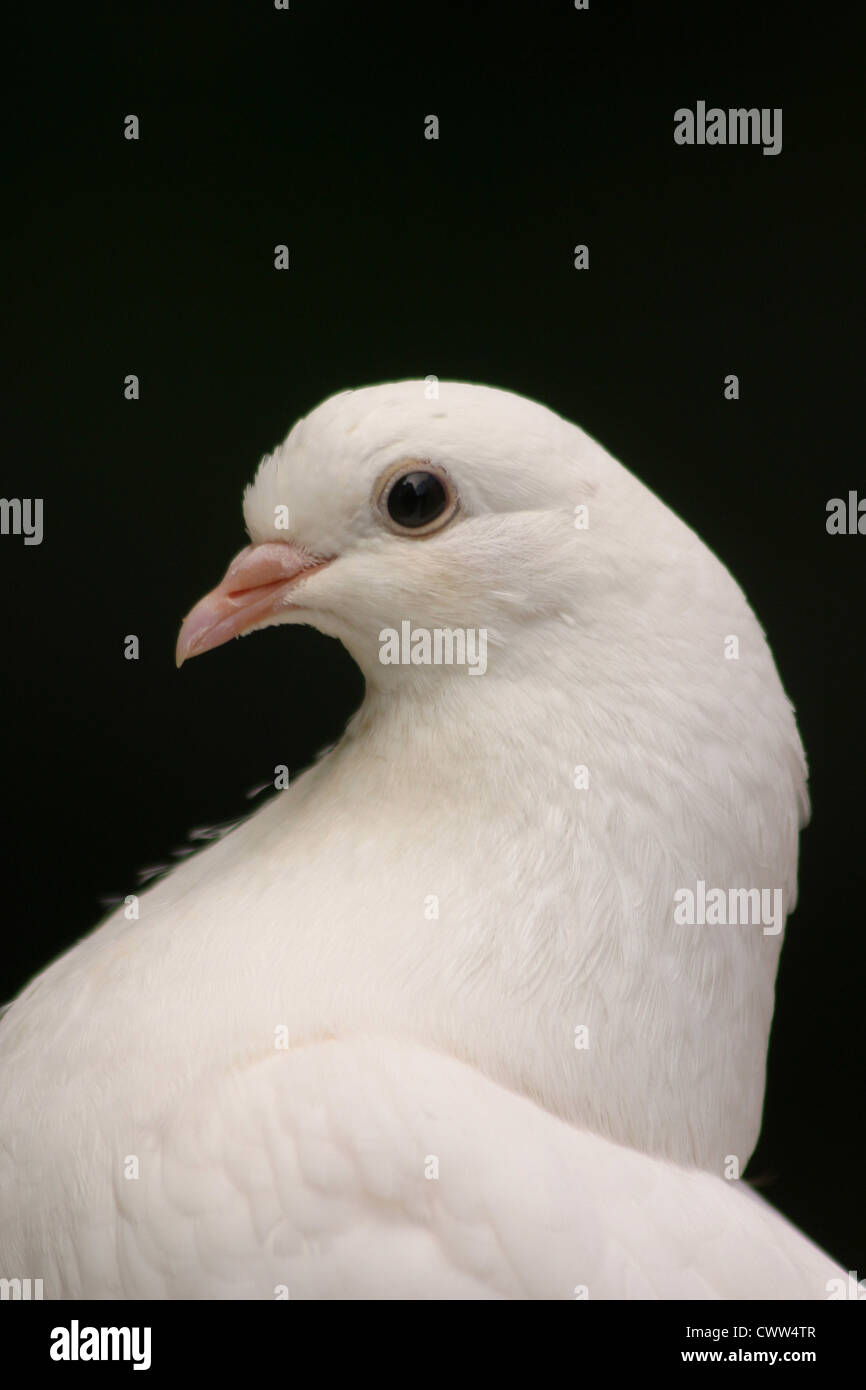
(504, 454)
(501, 448)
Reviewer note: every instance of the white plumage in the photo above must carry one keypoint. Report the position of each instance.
(336, 1053)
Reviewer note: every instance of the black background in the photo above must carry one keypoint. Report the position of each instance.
(411, 257)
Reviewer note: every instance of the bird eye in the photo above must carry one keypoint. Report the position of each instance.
(415, 499)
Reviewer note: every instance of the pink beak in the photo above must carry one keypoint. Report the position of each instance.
(253, 589)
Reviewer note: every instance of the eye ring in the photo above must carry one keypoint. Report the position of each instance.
(399, 472)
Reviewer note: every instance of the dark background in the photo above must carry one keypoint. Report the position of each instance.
(410, 257)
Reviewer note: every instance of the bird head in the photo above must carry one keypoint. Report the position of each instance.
(476, 511)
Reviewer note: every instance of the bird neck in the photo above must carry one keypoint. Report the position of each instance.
(558, 823)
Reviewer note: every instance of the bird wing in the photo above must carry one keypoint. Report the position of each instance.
(373, 1168)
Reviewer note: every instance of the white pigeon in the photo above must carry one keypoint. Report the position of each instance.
(432, 1022)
